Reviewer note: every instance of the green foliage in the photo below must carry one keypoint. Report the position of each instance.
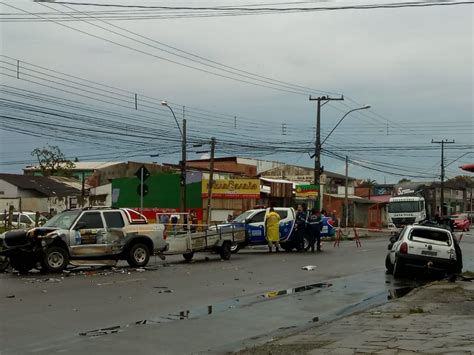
(52, 161)
(404, 180)
(368, 183)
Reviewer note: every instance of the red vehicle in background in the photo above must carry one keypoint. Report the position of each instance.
(461, 222)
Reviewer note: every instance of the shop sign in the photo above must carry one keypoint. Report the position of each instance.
(306, 191)
(232, 188)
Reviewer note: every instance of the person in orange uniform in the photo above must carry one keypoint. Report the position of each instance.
(272, 224)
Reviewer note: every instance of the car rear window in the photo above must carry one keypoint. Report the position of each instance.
(439, 236)
(113, 219)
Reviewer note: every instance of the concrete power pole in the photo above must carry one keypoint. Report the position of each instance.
(211, 180)
(442, 142)
(317, 145)
(183, 169)
(346, 194)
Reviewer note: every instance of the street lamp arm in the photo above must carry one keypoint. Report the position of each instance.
(164, 103)
(338, 123)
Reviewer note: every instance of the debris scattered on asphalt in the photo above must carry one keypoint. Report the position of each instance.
(309, 267)
(416, 310)
(103, 331)
(53, 280)
(11, 296)
(140, 269)
(315, 319)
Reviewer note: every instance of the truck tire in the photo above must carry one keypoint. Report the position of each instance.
(388, 264)
(4, 263)
(234, 248)
(188, 256)
(138, 255)
(22, 262)
(306, 242)
(397, 268)
(54, 259)
(225, 251)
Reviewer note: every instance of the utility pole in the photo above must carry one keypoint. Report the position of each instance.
(183, 167)
(346, 197)
(442, 142)
(211, 180)
(317, 145)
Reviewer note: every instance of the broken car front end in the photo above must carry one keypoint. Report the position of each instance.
(25, 248)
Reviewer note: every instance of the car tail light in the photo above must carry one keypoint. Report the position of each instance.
(404, 248)
(452, 254)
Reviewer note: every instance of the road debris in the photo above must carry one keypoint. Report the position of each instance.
(103, 331)
(309, 267)
(10, 296)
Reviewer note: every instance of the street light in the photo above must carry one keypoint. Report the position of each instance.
(346, 195)
(182, 164)
(165, 103)
(355, 109)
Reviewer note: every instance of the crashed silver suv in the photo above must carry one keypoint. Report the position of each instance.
(87, 235)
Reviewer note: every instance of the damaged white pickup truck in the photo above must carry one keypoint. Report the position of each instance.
(86, 235)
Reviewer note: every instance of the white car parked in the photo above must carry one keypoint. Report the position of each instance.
(423, 247)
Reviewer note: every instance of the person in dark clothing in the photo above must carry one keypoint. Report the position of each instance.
(315, 222)
(301, 216)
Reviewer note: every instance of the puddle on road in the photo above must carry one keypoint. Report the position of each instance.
(211, 309)
(395, 288)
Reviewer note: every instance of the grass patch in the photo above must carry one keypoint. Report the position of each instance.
(468, 273)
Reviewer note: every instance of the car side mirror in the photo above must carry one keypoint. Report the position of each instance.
(80, 225)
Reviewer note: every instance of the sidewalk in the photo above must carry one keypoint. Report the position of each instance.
(434, 319)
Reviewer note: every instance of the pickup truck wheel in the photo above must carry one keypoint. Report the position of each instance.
(235, 248)
(225, 251)
(138, 255)
(22, 263)
(388, 264)
(306, 243)
(397, 268)
(188, 256)
(4, 263)
(54, 259)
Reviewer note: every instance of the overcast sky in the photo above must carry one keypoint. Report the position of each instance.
(414, 66)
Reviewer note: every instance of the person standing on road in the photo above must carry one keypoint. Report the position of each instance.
(301, 220)
(315, 222)
(272, 224)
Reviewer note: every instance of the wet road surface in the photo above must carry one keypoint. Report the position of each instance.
(205, 306)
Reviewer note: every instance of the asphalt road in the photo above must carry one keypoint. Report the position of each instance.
(207, 306)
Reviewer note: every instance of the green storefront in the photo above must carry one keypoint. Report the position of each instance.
(163, 193)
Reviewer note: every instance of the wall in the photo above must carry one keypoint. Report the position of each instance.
(8, 190)
(261, 165)
(164, 192)
(105, 175)
(226, 166)
(101, 195)
(6, 202)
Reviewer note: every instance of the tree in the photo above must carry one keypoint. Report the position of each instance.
(52, 161)
(368, 183)
(404, 180)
